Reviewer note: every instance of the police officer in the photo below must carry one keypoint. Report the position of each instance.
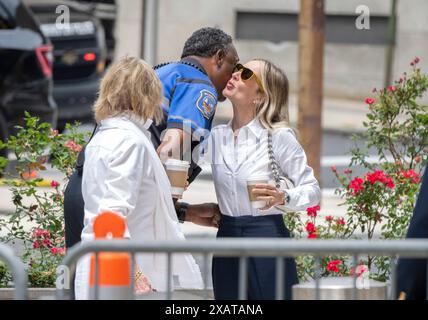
(412, 273)
(191, 89)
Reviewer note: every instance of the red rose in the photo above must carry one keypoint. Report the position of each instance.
(410, 174)
(370, 100)
(73, 146)
(46, 243)
(390, 183)
(391, 88)
(329, 218)
(310, 227)
(340, 221)
(356, 185)
(333, 168)
(418, 159)
(312, 211)
(378, 175)
(312, 235)
(332, 265)
(41, 233)
(54, 184)
(415, 176)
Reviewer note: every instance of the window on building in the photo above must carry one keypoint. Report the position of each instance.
(279, 27)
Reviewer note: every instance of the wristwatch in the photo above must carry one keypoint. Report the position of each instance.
(286, 197)
(181, 209)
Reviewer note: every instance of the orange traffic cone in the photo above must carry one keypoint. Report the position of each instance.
(114, 280)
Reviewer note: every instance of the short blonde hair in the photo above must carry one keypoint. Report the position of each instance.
(273, 111)
(130, 86)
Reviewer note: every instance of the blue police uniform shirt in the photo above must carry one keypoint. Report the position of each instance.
(189, 103)
(190, 98)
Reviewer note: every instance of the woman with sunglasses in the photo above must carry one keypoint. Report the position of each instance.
(239, 151)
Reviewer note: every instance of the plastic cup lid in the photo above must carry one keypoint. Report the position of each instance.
(176, 162)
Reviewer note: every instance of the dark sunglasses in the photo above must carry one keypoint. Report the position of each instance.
(247, 74)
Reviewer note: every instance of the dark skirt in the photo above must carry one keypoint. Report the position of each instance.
(261, 271)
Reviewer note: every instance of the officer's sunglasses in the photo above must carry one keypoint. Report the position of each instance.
(247, 74)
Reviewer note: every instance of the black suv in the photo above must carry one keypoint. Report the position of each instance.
(79, 57)
(106, 12)
(25, 68)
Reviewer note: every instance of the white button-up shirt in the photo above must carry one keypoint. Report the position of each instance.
(233, 161)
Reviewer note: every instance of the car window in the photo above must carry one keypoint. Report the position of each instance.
(4, 24)
(25, 18)
(6, 15)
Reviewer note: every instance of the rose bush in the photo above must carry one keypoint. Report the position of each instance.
(380, 202)
(37, 223)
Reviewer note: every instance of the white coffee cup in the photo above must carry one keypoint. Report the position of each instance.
(251, 183)
(177, 174)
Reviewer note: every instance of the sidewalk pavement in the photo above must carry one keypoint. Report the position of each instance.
(200, 191)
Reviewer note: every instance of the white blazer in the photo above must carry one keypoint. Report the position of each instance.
(123, 173)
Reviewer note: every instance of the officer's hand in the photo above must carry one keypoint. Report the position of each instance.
(205, 214)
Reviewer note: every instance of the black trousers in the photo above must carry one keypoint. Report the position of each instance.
(261, 271)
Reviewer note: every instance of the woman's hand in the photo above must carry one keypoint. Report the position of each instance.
(266, 192)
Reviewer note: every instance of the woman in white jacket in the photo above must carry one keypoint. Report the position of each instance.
(122, 173)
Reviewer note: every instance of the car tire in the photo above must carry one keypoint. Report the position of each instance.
(3, 133)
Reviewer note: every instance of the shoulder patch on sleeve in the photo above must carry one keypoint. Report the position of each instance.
(206, 103)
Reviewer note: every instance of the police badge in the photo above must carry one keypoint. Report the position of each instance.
(206, 103)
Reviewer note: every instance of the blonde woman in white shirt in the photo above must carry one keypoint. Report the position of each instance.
(123, 173)
(238, 151)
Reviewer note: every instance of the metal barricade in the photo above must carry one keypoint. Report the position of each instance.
(260, 247)
(18, 271)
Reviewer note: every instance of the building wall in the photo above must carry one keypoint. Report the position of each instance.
(412, 35)
(128, 31)
(351, 70)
